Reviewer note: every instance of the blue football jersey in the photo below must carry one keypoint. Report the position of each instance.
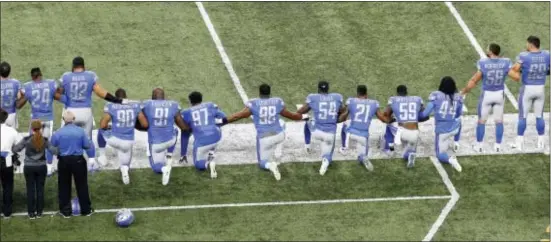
(78, 88)
(406, 108)
(446, 111)
(360, 113)
(325, 108)
(534, 67)
(123, 119)
(494, 72)
(201, 119)
(160, 116)
(8, 91)
(266, 114)
(40, 95)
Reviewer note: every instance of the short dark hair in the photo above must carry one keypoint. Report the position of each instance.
(120, 93)
(5, 69)
(361, 90)
(35, 72)
(447, 86)
(3, 116)
(402, 90)
(323, 86)
(534, 40)
(264, 90)
(78, 62)
(494, 48)
(158, 94)
(195, 98)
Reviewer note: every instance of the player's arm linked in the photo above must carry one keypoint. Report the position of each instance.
(180, 122)
(104, 122)
(343, 116)
(244, 113)
(472, 83)
(304, 109)
(102, 93)
(293, 116)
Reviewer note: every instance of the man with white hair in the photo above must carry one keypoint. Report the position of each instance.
(72, 141)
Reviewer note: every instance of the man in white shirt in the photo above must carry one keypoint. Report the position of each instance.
(9, 137)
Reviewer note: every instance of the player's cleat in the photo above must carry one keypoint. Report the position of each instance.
(541, 142)
(32, 216)
(411, 160)
(102, 160)
(212, 166)
(278, 152)
(308, 149)
(456, 146)
(275, 171)
(455, 164)
(391, 146)
(343, 150)
(477, 147)
(497, 147)
(166, 174)
(367, 164)
(125, 175)
(183, 159)
(324, 165)
(519, 143)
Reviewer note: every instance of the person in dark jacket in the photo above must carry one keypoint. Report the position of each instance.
(35, 169)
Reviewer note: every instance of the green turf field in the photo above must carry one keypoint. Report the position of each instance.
(291, 46)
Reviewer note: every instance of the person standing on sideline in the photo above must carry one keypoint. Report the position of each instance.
(35, 168)
(9, 137)
(72, 141)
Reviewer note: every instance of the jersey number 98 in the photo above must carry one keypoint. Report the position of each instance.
(267, 114)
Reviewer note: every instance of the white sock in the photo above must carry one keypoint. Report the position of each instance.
(101, 152)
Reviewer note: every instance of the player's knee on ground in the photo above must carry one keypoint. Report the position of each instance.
(443, 157)
(200, 165)
(156, 167)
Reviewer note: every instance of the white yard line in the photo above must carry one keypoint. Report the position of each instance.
(477, 47)
(447, 209)
(263, 204)
(222, 51)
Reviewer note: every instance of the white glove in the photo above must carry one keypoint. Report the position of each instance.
(92, 165)
(50, 169)
(305, 116)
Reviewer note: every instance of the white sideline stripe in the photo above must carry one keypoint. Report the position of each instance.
(261, 204)
(223, 54)
(476, 45)
(447, 209)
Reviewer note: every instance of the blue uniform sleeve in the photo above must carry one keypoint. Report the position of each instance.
(428, 110)
(55, 139)
(459, 110)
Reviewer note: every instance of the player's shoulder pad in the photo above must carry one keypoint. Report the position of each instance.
(27, 83)
(106, 107)
(391, 99)
(65, 74)
(434, 95)
(338, 95)
(349, 100)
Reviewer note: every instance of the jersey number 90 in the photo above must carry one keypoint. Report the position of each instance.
(125, 118)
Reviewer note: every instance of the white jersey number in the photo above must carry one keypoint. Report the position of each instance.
(196, 115)
(408, 111)
(362, 109)
(327, 109)
(267, 114)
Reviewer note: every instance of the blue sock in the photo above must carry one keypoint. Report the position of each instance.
(480, 130)
(184, 141)
(458, 135)
(101, 139)
(49, 157)
(540, 126)
(263, 164)
(92, 151)
(406, 155)
(443, 157)
(343, 135)
(521, 126)
(389, 138)
(499, 132)
(170, 149)
(307, 134)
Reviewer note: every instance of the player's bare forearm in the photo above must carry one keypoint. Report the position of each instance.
(21, 102)
(290, 115)
(245, 113)
(143, 120)
(180, 122)
(304, 109)
(472, 82)
(381, 116)
(516, 67)
(104, 122)
(515, 76)
(99, 91)
(343, 116)
(387, 111)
